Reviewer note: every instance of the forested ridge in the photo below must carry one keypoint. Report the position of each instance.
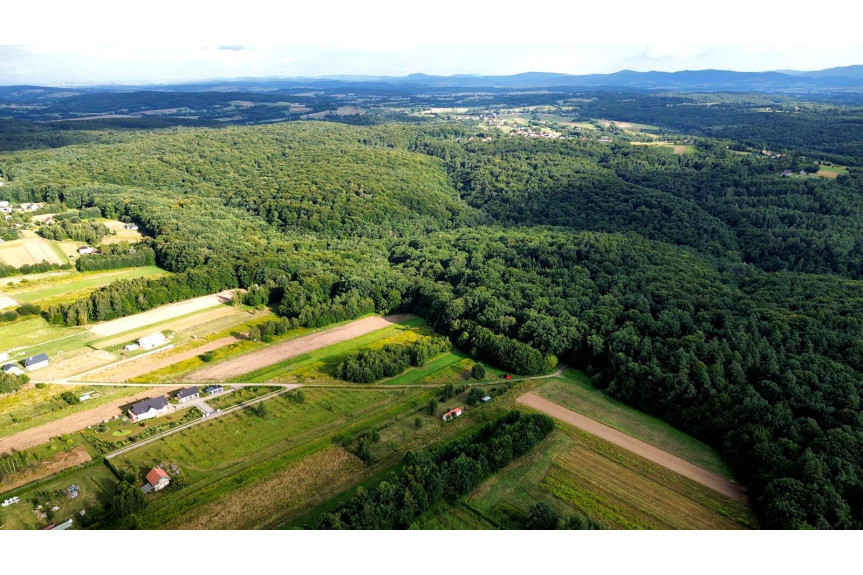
(703, 288)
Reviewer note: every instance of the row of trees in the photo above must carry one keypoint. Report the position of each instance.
(131, 257)
(368, 365)
(446, 472)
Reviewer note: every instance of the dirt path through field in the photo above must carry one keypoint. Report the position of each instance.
(71, 424)
(161, 313)
(645, 450)
(294, 347)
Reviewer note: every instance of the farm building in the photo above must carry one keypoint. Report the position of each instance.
(452, 413)
(4, 204)
(36, 362)
(185, 395)
(133, 227)
(214, 389)
(152, 340)
(131, 347)
(63, 526)
(158, 478)
(85, 250)
(148, 408)
(12, 368)
(486, 399)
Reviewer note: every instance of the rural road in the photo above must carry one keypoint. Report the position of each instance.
(294, 347)
(645, 450)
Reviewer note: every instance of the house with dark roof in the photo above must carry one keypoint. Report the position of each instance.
(12, 368)
(148, 408)
(214, 389)
(158, 478)
(185, 395)
(36, 362)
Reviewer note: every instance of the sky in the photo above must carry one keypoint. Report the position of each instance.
(75, 65)
(102, 41)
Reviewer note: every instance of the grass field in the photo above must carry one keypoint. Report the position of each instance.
(576, 473)
(73, 286)
(237, 449)
(574, 391)
(95, 481)
(240, 395)
(36, 335)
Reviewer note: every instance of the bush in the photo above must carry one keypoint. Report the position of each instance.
(207, 356)
(477, 371)
(541, 517)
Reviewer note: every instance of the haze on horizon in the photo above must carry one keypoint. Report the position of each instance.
(88, 65)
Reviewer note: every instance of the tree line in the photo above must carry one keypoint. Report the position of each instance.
(368, 365)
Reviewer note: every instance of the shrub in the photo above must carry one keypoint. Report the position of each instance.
(477, 371)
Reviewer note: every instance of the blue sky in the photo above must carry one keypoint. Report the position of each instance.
(53, 65)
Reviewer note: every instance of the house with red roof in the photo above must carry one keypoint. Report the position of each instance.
(158, 478)
(452, 413)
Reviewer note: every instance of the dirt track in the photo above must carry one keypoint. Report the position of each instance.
(292, 348)
(645, 450)
(160, 314)
(41, 434)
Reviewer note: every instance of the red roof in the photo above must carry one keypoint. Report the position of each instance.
(156, 474)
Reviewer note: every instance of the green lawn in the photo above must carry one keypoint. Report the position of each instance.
(95, 481)
(574, 391)
(39, 336)
(78, 285)
(238, 396)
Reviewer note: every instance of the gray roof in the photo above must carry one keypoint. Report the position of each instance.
(9, 366)
(188, 392)
(147, 404)
(213, 388)
(35, 359)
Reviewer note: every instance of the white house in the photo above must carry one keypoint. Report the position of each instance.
(152, 340)
(12, 368)
(452, 413)
(148, 408)
(36, 362)
(131, 347)
(185, 395)
(132, 227)
(85, 250)
(158, 478)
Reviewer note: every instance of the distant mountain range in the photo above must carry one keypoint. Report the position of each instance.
(842, 79)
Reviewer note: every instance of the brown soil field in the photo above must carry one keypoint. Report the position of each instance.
(680, 150)
(294, 347)
(826, 174)
(155, 362)
(645, 450)
(48, 467)
(160, 314)
(72, 363)
(28, 252)
(77, 422)
(296, 487)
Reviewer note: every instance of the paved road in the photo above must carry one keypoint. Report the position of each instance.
(654, 454)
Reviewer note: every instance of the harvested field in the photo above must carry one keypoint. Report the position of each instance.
(184, 323)
(28, 252)
(160, 314)
(288, 491)
(294, 347)
(72, 363)
(48, 467)
(680, 150)
(71, 424)
(645, 450)
(134, 368)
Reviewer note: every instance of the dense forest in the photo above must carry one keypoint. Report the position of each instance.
(704, 288)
